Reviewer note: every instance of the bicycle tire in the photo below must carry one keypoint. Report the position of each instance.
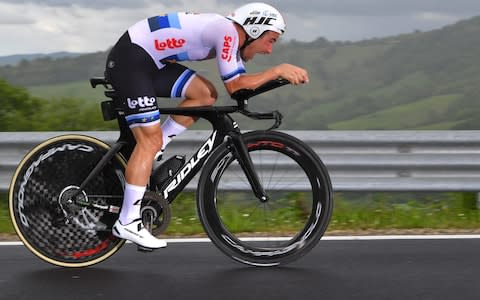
(42, 182)
(236, 221)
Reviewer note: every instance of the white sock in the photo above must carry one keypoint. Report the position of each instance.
(132, 203)
(171, 129)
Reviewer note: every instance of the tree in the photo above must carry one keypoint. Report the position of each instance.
(19, 111)
(17, 108)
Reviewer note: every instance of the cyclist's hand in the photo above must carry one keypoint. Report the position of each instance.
(294, 74)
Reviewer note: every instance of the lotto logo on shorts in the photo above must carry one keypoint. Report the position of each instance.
(141, 102)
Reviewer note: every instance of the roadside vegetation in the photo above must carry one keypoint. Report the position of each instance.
(417, 81)
(353, 214)
(421, 80)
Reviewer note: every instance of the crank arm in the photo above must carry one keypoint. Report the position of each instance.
(108, 208)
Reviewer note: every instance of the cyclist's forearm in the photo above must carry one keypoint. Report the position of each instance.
(251, 81)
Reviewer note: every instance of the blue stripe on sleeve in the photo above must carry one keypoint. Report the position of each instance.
(233, 74)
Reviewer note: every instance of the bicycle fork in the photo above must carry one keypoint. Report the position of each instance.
(243, 157)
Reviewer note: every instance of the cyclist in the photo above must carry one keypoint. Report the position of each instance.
(143, 65)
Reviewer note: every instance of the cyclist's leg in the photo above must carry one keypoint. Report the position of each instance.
(200, 92)
(178, 81)
(139, 166)
(130, 70)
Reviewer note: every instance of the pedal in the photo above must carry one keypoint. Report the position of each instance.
(144, 249)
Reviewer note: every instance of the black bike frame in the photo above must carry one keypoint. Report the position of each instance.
(225, 129)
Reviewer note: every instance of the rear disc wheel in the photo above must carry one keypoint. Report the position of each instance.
(44, 216)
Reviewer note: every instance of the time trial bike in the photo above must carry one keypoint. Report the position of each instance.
(263, 197)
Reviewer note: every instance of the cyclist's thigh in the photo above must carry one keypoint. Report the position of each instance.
(131, 71)
(201, 88)
(173, 80)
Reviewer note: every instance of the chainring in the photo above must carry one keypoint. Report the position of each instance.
(156, 213)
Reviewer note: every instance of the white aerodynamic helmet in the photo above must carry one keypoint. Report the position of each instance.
(257, 17)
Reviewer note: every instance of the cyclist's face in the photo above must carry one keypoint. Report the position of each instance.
(263, 45)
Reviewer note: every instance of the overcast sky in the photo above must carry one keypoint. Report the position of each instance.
(44, 26)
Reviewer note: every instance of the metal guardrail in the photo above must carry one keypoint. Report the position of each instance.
(356, 160)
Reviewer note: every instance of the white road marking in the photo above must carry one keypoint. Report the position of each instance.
(325, 238)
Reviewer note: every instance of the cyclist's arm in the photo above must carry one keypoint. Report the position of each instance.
(294, 74)
(251, 81)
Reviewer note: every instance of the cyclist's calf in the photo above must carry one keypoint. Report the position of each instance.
(149, 138)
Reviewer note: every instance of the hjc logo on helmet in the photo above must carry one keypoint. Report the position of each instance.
(256, 18)
(261, 21)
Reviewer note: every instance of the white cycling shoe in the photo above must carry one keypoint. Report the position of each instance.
(136, 233)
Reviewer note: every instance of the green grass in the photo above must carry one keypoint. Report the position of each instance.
(404, 211)
(352, 212)
(6, 225)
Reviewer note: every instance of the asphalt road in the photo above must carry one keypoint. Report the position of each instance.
(346, 269)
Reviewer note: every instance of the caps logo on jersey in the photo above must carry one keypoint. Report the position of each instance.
(227, 48)
(172, 43)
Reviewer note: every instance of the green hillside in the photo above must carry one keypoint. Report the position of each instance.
(74, 89)
(423, 80)
(409, 116)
